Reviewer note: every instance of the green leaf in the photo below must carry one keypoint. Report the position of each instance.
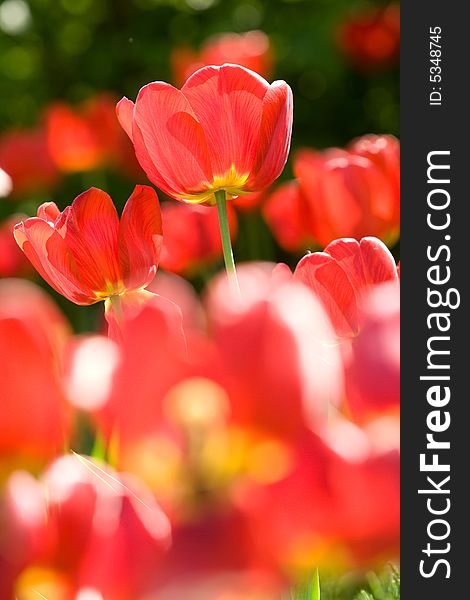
(310, 591)
(364, 596)
(316, 592)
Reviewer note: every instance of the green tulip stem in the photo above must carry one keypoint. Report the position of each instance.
(226, 242)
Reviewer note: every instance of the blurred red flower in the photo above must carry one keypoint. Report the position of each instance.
(86, 253)
(353, 192)
(384, 151)
(287, 213)
(154, 336)
(248, 202)
(25, 157)
(338, 507)
(88, 136)
(275, 341)
(216, 410)
(13, 262)
(84, 138)
(214, 557)
(97, 522)
(350, 193)
(343, 274)
(192, 237)
(23, 530)
(373, 367)
(226, 129)
(371, 38)
(178, 289)
(34, 420)
(257, 365)
(251, 50)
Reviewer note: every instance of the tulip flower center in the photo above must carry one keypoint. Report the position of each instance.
(232, 182)
(112, 288)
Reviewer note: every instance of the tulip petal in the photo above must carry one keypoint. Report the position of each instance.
(145, 161)
(349, 195)
(125, 115)
(140, 237)
(327, 279)
(48, 212)
(343, 274)
(378, 262)
(367, 262)
(33, 419)
(170, 142)
(287, 213)
(373, 371)
(275, 135)
(91, 233)
(51, 257)
(228, 103)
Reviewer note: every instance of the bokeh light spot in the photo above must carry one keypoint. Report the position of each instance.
(200, 4)
(77, 7)
(247, 15)
(15, 17)
(19, 62)
(74, 37)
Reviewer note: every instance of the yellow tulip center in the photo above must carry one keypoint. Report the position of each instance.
(231, 181)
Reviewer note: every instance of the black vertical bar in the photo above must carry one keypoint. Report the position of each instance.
(427, 128)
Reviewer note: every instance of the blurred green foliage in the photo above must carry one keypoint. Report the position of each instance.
(71, 48)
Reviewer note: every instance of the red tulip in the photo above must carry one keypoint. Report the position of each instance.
(251, 50)
(371, 38)
(86, 253)
(373, 367)
(226, 129)
(25, 157)
(287, 213)
(348, 195)
(72, 141)
(34, 420)
(342, 276)
(384, 151)
(13, 262)
(192, 237)
(84, 138)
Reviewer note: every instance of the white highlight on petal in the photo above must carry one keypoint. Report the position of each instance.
(91, 375)
(89, 594)
(6, 185)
